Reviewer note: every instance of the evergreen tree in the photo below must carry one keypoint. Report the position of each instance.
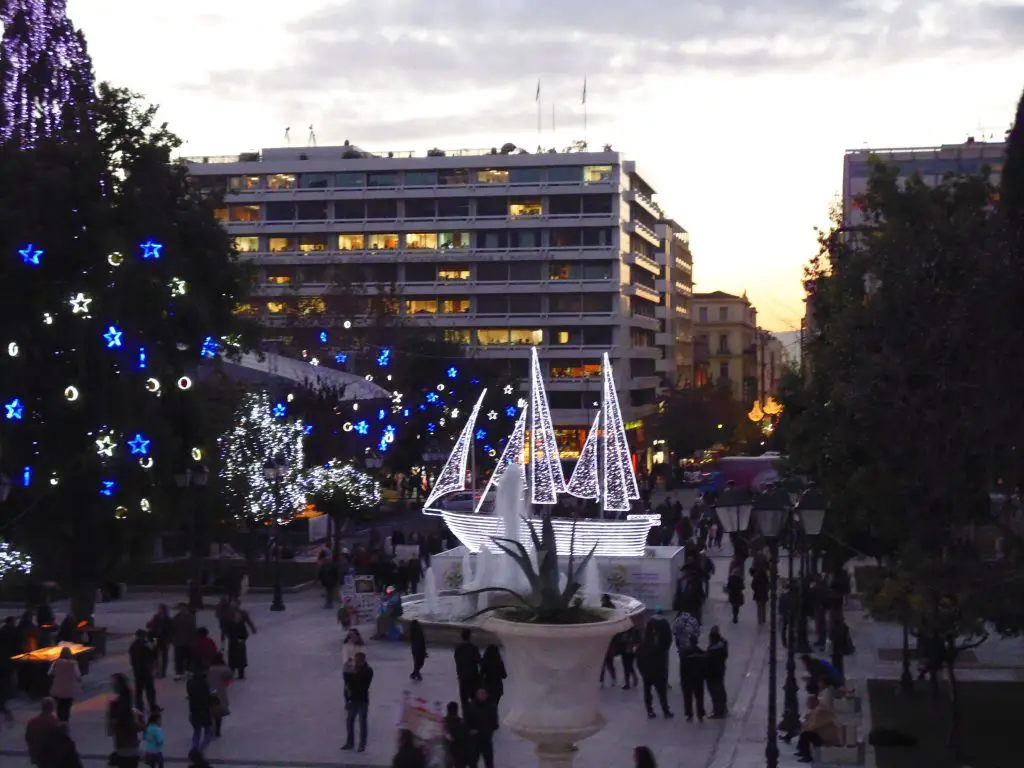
(116, 283)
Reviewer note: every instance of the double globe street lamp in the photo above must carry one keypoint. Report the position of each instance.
(276, 470)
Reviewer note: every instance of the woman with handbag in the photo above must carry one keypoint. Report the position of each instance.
(65, 683)
(238, 636)
(219, 677)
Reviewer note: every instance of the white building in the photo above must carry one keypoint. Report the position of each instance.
(501, 249)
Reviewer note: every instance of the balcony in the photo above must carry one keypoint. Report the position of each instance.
(639, 228)
(636, 196)
(648, 323)
(642, 261)
(634, 289)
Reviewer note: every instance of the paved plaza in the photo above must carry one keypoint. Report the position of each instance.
(289, 711)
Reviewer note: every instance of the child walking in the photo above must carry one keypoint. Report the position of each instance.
(153, 742)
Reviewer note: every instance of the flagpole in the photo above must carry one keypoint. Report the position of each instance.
(585, 111)
(537, 99)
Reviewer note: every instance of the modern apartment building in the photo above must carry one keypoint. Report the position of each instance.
(725, 344)
(931, 162)
(502, 249)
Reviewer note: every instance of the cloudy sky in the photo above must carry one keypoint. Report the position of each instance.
(737, 111)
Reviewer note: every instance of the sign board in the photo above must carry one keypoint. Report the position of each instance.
(365, 598)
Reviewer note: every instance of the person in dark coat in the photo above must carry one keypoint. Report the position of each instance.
(759, 586)
(692, 674)
(734, 588)
(467, 668)
(358, 678)
(67, 632)
(653, 665)
(184, 638)
(329, 578)
(143, 663)
(409, 754)
(161, 631)
(238, 635)
(200, 710)
(492, 676)
(418, 646)
(630, 641)
(718, 653)
(482, 722)
(457, 744)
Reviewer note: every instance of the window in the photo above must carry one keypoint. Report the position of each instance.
(349, 210)
(524, 304)
(451, 240)
(420, 209)
(566, 336)
(597, 237)
(280, 211)
(492, 176)
(453, 272)
(493, 240)
(564, 271)
(492, 272)
(382, 209)
(454, 306)
(380, 273)
(521, 207)
(596, 174)
(597, 336)
(597, 204)
(420, 178)
(723, 371)
(723, 342)
(313, 305)
(597, 270)
(349, 180)
(279, 308)
(383, 242)
(492, 304)
(221, 214)
(315, 180)
(492, 206)
(524, 238)
(723, 314)
(309, 243)
(421, 240)
(279, 276)
(457, 336)
(524, 271)
(572, 174)
(246, 310)
(529, 336)
(312, 210)
(244, 212)
(702, 314)
(453, 208)
(420, 306)
(565, 205)
(247, 244)
(565, 400)
(420, 273)
(490, 336)
(281, 181)
(565, 304)
(525, 175)
(211, 184)
(382, 179)
(280, 244)
(597, 303)
(642, 308)
(575, 369)
(453, 177)
(355, 242)
(243, 183)
(566, 238)
(639, 366)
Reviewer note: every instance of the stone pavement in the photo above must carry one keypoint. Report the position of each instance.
(289, 710)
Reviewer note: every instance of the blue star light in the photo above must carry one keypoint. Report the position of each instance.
(487, 449)
(381, 414)
(151, 250)
(340, 358)
(362, 427)
(142, 358)
(280, 410)
(453, 372)
(210, 347)
(308, 429)
(422, 407)
(15, 410)
(431, 426)
(323, 337)
(139, 445)
(405, 412)
(26, 477)
(474, 381)
(481, 434)
(30, 255)
(107, 487)
(431, 397)
(510, 411)
(386, 439)
(113, 337)
(384, 358)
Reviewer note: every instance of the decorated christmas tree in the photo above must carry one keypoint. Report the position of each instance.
(119, 288)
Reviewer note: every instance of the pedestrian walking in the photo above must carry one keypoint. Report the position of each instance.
(200, 712)
(653, 665)
(418, 646)
(143, 662)
(718, 653)
(40, 730)
(65, 683)
(219, 677)
(124, 724)
(692, 671)
(734, 588)
(759, 586)
(492, 677)
(482, 721)
(630, 642)
(238, 639)
(161, 632)
(457, 746)
(184, 637)
(467, 668)
(358, 678)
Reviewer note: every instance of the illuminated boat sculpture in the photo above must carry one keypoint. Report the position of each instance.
(603, 472)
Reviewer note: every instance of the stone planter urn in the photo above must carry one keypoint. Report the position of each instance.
(555, 668)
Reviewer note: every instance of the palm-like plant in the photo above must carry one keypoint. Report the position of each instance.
(547, 602)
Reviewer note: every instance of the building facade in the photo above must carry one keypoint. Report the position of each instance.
(676, 287)
(931, 162)
(726, 343)
(502, 250)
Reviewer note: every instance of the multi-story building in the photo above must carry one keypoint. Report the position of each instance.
(500, 249)
(931, 162)
(676, 286)
(770, 364)
(725, 343)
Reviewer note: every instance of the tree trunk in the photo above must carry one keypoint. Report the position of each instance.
(955, 742)
(83, 600)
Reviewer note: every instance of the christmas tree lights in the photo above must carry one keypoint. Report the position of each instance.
(620, 487)
(360, 491)
(546, 478)
(12, 561)
(585, 480)
(453, 476)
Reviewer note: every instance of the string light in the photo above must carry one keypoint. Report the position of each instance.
(105, 446)
(30, 255)
(453, 372)
(47, 318)
(384, 358)
(146, 463)
(178, 286)
(510, 411)
(492, 415)
(107, 487)
(139, 445)
(113, 337)
(120, 512)
(546, 478)
(360, 491)
(142, 359)
(115, 259)
(585, 481)
(508, 389)
(14, 410)
(13, 561)
(151, 250)
(184, 383)
(145, 506)
(620, 486)
(197, 454)
(80, 304)
(210, 347)
(453, 475)
(280, 410)
(71, 394)
(12, 348)
(153, 385)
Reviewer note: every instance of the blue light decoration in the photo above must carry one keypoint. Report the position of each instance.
(113, 336)
(280, 410)
(384, 358)
(422, 407)
(107, 487)
(340, 358)
(510, 411)
(481, 434)
(487, 449)
(386, 439)
(361, 427)
(381, 414)
(15, 410)
(142, 358)
(453, 372)
(308, 429)
(474, 381)
(210, 347)
(26, 477)
(431, 427)
(431, 397)
(30, 255)
(405, 412)
(139, 445)
(323, 337)
(151, 250)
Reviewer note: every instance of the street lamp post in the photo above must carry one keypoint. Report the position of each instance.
(275, 470)
(733, 510)
(770, 516)
(195, 477)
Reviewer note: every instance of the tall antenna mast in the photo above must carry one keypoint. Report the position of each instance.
(312, 137)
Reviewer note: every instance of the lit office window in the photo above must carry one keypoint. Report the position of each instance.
(492, 176)
(419, 240)
(247, 244)
(281, 181)
(355, 242)
(383, 242)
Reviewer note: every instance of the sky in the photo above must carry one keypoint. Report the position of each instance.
(737, 112)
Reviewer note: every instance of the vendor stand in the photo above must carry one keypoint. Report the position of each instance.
(33, 668)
